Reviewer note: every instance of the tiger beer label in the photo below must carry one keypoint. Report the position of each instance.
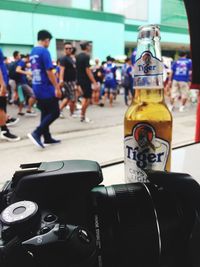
(144, 150)
(148, 72)
(147, 65)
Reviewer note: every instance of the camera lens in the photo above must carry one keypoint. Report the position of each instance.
(127, 224)
(138, 224)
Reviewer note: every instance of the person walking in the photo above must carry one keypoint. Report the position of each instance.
(127, 80)
(98, 75)
(68, 78)
(13, 76)
(4, 121)
(85, 78)
(46, 90)
(180, 77)
(23, 89)
(110, 80)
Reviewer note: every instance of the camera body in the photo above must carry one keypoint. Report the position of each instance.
(58, 194)
(56, 213)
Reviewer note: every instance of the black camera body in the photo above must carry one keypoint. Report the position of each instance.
(59, 193)
(57, 214)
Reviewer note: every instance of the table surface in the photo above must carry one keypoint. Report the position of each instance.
(184, 159)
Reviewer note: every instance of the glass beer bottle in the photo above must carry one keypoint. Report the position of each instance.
(148, 122)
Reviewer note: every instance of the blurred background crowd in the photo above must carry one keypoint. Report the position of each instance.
(111, 78)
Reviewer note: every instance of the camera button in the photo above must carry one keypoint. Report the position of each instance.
(45, 230)
(83, 236)
(50, 218)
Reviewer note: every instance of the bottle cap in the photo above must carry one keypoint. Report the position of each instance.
(149, 31)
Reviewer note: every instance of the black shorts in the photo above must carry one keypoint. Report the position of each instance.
(87, 89)
(3, 103)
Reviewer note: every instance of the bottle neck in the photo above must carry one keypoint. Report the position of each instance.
(151, 45)
(148, 68)
(149, 96)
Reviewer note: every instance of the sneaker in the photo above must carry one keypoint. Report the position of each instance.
(52, 142)
(86, 120)
(31, 113)
(9, 137)
(35, 139)
(74, 115)
(78, 106)
(62, 115)
(77, 112)
(10, 102)
(12, 121)
(182, 108)
(21, 113)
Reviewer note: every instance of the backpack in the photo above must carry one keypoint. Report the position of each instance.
(12, 71)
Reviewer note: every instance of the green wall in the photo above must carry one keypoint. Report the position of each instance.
(17, 27)
(173, 13)
(80, 29)
(108, 32)
(8, 49)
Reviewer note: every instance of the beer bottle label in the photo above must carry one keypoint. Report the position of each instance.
(148, 72)
(144, 150)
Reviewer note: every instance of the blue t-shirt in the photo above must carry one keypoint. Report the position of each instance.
(3, 68)
(109, 71)
(109, 74)
(22, 77)
(41, 62)
(181, 69)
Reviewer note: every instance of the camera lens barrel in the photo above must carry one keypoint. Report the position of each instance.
(142, 224)
(127, 226)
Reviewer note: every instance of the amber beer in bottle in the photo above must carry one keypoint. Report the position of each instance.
(148, 122)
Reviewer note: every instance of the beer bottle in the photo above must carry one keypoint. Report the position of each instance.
(148, 122)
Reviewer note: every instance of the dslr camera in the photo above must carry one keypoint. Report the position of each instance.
(60, 214)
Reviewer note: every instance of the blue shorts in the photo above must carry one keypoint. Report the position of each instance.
(110, 86)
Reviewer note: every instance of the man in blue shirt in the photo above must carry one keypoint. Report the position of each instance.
(181, 70)
(46, 90)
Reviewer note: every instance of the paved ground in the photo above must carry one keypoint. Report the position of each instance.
(101, 140)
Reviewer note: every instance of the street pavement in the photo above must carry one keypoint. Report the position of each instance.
(101, 140)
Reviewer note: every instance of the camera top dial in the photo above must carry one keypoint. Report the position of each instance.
(19, 212)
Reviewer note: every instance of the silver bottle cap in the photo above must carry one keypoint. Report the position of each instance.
(149, 31)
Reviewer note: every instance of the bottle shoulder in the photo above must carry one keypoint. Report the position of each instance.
(144, 111)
